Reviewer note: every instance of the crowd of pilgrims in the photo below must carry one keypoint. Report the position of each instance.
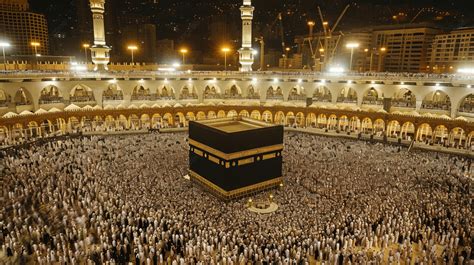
(123, 199)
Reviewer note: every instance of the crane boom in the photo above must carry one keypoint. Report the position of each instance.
(339, 18)
(322, 20)
(415, 17)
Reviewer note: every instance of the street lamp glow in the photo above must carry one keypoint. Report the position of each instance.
(132, 48)
(352, 45)
(4, 44)
(225, 50)
(85, 45)
(254, 52)
(35, 45)
(383, 49)
(275, 80)
(184, 51)
(311, 23)
(254, 80)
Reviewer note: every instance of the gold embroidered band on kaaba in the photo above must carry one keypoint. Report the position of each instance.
(259, 186)
(236, 155)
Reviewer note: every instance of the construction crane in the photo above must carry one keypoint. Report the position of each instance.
(328, 31)
(261, 39)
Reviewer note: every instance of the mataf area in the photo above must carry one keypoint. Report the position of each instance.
(123, 199)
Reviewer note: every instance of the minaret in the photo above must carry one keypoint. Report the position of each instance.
(246, 52)
(100, 50)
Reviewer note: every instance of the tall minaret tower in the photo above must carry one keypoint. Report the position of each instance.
(246, 52)
(100, 50)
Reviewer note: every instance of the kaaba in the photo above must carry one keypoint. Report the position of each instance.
(235, 157)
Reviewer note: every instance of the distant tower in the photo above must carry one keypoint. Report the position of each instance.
(100, 50)
(246, 52)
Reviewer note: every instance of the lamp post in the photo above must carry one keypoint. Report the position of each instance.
(4, 45)
(132, 48)
(225, 50)
(381, 54)
(85, 46)
(35, 45)
(311, 26)
(352, 46)
(287, 50)
(183, 52)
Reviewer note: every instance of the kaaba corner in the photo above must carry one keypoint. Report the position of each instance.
(235, 157)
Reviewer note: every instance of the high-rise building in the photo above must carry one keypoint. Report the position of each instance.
(21, 27)
(452, 51)
(405, 48)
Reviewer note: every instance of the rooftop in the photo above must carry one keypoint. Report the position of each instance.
(236, 124)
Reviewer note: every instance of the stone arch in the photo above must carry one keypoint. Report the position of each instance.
(167, 120)
(156, 120)
(50, 95)
(166, 92)
(255, 114)
(407, 131)
(22, 97)
(332, 122)
(232, 114)
(366, 125)
(322, 94)
(371, 97)
(180, 120)
(113, 92)
(188, 92)
(300, 119)
(437, 100)
(467, 104)
(279, 118)
(145, 121)
(81, 94)
(379, 127)
(311, 120)
(201, 116)
(321, 121)
(290, 119)
(355, 124)
(140, 93)
(212, 92)
(297, 93)
(393, 129)
(267, 116)
(134, 122)
(404, 98)
(233, 92)
(424, 132)
(190, 116)
(458, 137)
(5, 99)
(347, 95)
(274, 93)
(252, 93)
(440, 134)
(221, 114)
(211, 115)
(343, 123)
(244, 113)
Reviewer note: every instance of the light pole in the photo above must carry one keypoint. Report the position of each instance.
(311, 26)
(85, 46)
(35, 45)
(352, 46)
(132, 48)
(183, 52)
(287, 50)
(4, 45)
(225, 50)
(381, 52)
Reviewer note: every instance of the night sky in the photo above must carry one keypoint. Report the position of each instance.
(188, 21)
